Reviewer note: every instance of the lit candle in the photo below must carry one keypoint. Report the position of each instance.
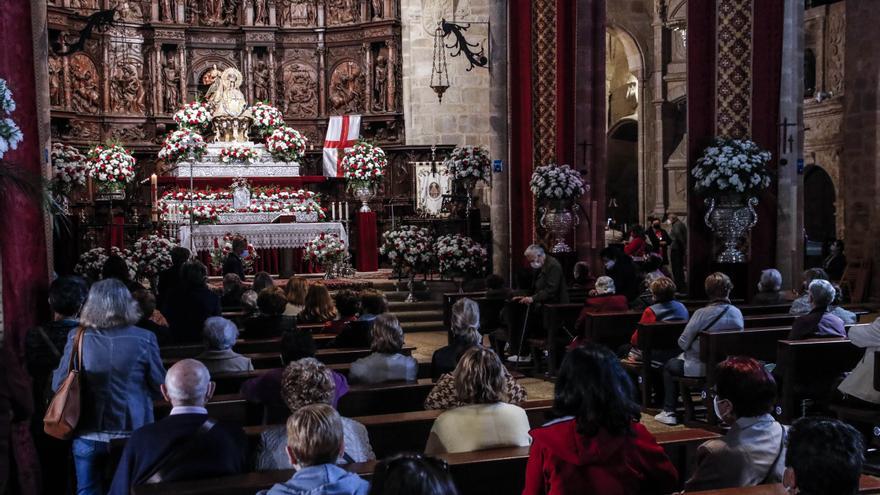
(346, 211)
(333, 210)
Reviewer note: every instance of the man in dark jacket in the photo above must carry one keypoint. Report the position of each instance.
(169, 279)
(186, 445)
(621, 268)
(234, 263)
(548, 287)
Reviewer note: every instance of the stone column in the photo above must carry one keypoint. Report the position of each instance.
(790, 214)
(860, 180)
(41, 75)
(272, 72)
(499, 215)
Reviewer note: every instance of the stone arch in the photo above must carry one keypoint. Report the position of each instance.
(200, 67)
(820, 210)
(621, 124)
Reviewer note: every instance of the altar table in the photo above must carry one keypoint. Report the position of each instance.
(268, 238)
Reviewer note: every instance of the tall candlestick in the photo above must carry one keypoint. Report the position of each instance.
(346, 211)
(333, 210)
(154, 198)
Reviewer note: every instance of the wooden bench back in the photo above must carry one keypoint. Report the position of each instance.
(758, 343)
(496, 471)
(272, 359)
(611, 329)
(242, 346)
(809, 368)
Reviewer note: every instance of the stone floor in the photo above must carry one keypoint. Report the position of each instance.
(427, 342)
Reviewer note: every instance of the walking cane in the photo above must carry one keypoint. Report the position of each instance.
(522, 336)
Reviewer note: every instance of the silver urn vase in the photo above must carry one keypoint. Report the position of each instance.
(559, 218)
(364, 193)
(731, 218)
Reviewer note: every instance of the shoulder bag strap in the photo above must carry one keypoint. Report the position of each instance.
(778, 455)
(710, 325)
(52, 348)
(178, 453)
(76, 355)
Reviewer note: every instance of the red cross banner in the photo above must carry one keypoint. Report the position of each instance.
(342, 132)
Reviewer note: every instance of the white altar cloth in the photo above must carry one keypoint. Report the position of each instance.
(262, 236)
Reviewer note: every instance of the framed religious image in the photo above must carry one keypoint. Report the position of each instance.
(433, 187)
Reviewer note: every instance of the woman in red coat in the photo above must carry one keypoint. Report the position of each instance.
(637, 246)
(599, 448)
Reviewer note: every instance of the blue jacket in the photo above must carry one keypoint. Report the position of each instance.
(122, 374)
(323, 479)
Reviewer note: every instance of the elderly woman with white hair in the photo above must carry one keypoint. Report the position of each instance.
(602, 299)
(220, 335)
(769, 286)
(819, 322)
(123, 372)
(465, 333)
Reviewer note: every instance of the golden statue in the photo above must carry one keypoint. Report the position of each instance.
(231, 116)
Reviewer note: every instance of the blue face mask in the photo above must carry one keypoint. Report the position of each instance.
(244, 254)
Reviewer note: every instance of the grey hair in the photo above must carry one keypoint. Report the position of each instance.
(219, 333)
(186, 383)
(534, 250)
(821, 293)
(109, 305)
(466, 320)
(771, 280)
(605, 285)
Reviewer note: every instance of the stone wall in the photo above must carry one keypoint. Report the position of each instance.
(464, 115)
(861, 155)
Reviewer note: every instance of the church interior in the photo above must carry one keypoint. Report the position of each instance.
(439, 246)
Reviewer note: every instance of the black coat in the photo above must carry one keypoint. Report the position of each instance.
(233, 264)
(220, 452)
(169, 281)
(625, 277)
(186, 311)
(267, 326)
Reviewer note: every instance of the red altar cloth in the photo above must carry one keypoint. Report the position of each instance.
(202, 182)
(116, 232)
(368, 248)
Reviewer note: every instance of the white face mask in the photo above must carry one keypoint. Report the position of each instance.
(536, 264)
(609, 264)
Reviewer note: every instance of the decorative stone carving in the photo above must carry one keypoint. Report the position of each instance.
(835, 54)
(128, 133)
(211, 12)
(230, 11)
(83, 130)
(380, 84)
(347, 88)
(378, 8)
(166, 11)
(296, 13)
(56, 73)
(85, 97)
(84, 4)
(170, 84)
(126, 88)
(262, 83)
(342, 11)
(261, 12)
(129, 10)
(298, 87)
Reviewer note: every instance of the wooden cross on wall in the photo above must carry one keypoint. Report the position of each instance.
(787, 139)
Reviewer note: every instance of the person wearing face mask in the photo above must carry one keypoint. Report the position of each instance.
(621, 268)
(753, 450)
(548, 287)
(824, 456)
(234, 263)
(659, 239)
(678, 235)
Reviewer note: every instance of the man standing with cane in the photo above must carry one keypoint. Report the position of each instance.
(548, 287)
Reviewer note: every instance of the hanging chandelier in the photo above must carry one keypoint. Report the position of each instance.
(439, 72)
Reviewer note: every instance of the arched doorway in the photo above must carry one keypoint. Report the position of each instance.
(622, 182)
(820, 213)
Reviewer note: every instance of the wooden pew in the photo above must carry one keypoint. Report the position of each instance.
(867, 484)
(242, 346)
(496, 471)
(808, 367)
(653, 338)
(269, 360)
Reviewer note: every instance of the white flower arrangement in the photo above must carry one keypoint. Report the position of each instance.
(111, 165)
(185, 195)
(152, 254)
(551, 183)
(223, 247)
(470, 162)
(239, 153)
(10, 133)
(286, 144)
(458, 255)
(310, 206)
(195, 115)
(92, 262)
(204, 214)
(409, 248)
(180, 144)
(364, 164)
(732, 166)
(326, 249)
(68, 169)
(266, 118)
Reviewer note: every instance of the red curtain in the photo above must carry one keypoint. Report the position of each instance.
(23, 243)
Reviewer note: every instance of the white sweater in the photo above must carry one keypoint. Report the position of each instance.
(860, 383)
(479, 427)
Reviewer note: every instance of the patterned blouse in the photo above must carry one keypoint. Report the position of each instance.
(443, 396)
